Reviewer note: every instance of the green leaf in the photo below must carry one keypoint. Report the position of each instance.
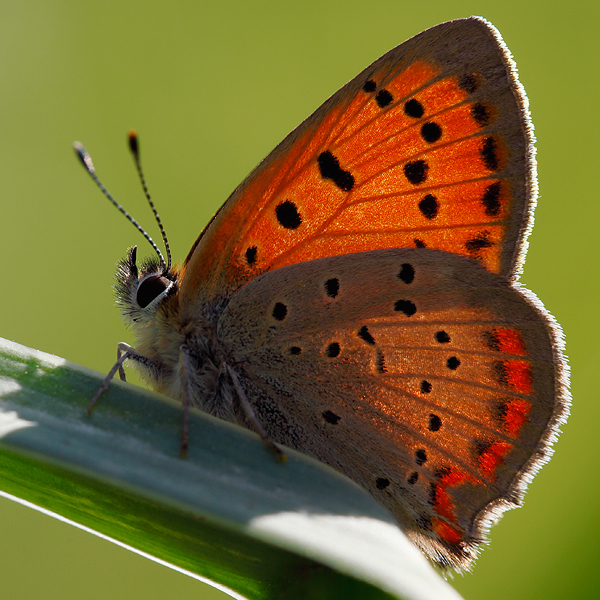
(229, 513)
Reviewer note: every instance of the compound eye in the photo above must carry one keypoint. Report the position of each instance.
(150, 289)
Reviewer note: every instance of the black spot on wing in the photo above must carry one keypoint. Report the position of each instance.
(279, 311)
(332, 287)
(333, 350)
(480, 242)
(469, 82)
(491, 199)
(407, 273)
(431, 132)
(413, 108)
(382, 483)
(490, 339)
(442, 337)
(490, 153)
(383, 98)
(369, 86)
(416, 171)
(364, 334)
(405, 306)
(288, 216)
(453, 363)
(251, 255)
(330, 168)
(434, 423)
(501, 372)
(331, 417)
(429, 207)
(481, 114)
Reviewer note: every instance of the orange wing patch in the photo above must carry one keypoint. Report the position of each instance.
(384, 161)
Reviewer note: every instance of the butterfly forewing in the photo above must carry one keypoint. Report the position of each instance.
(422, 376)
(428, 147)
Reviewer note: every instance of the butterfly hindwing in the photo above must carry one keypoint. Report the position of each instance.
(359, 361)
(430, 146)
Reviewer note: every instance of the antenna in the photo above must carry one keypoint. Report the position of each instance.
(86, 161)
(135, 150)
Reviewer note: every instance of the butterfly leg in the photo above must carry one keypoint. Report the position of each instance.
(121, 369)
(124, 352)
(186, 367)
(247, 407)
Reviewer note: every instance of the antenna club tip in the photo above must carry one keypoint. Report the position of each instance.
(133, 142)
(83, 156)
(79, 149)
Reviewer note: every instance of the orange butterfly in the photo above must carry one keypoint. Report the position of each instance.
(356, 297)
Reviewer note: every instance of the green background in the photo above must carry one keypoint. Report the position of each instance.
(212, 87)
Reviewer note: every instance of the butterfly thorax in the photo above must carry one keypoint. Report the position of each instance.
(150, 305)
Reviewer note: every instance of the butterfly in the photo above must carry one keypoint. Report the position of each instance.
(356, 298)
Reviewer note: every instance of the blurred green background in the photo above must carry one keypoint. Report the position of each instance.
(212, 87)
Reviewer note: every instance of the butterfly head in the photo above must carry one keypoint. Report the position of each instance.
(141, 291)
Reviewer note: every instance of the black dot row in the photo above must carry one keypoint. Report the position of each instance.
(406, 307)
(416, 172)
(406, 274)
(420, 457)
(412, 108)
(431, 132)
(482, 113)
(473, 246)
(429, 205)
(334, 349)
(434, 424)
(452, 363)
(288, 216)
(332, 289)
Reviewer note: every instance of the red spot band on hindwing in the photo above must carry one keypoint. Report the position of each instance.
(447, 532)
(493, 455)
(510, 341)
(444, 505)
(515, 415)
(452, 477)
(518, 375)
